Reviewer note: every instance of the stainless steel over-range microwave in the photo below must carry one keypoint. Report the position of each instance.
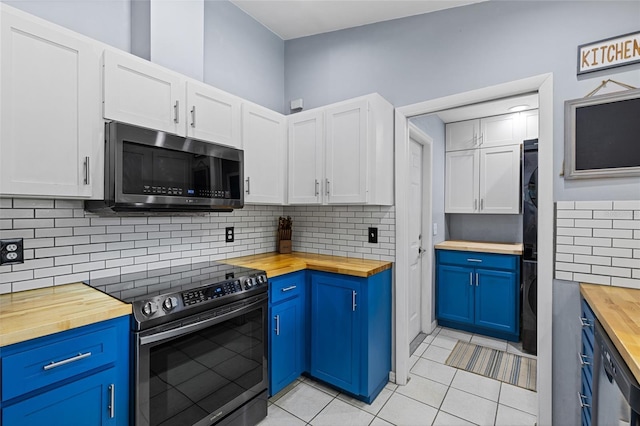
(152, 171)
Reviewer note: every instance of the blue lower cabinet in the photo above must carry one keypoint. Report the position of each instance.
(351, 332)
(79, 376)
(479, 292)
(585, 357)
(288, 330)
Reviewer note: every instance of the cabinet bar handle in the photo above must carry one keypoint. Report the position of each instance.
(66, 361)
(176, 112)
(353, 300)
(481, 203)
(477, 280)
(248, 191)
(475, 204)
(475, 138)
(581, 399)
(481, 138)
(584, 322)
(112, 401)
(317, 188)
(87, 172)
(328, 186)
(193, 116)
(288, 288)
(474, 260)
(583, 359)
(277, 318)
(470, 278)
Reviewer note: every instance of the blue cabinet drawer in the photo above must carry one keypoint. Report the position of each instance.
(478, 260)
(286, 286)
(41, 362)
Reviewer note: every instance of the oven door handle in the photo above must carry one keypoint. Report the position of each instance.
(163, 335)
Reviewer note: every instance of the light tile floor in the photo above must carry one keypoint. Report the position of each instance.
(436, 395)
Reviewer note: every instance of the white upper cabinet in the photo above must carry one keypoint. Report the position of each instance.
(51, 137)
(263, 141)
(213, 115)
(500, 130)
(500, 179)
(462, 183)
(306, 132)
(348, 159)
(462, 135)
(529, 122)
(486, 177)
(141, 93)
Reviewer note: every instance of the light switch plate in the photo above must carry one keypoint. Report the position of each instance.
(373, 235)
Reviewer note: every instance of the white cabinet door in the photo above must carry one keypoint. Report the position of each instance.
(529, 122)
(462, 135)
(213, 115)
(500, 180)
(306, 131)
(461, 182)
(500, 130)
(264, 155)
(346, 153)
(50, 110)
(141, 93)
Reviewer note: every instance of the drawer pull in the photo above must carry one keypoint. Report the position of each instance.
(581, 399)
(582, 358)
(66, 361)
(112, 401)
(293, 287)
(474, 260)
(585, 322)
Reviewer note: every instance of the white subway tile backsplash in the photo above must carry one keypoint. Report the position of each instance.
(32, 223)
(612, 235)
(592, 279)
(573, 267)
(32, 284)
(17, 213)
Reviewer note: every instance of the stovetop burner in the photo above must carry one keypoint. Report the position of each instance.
(163, 295)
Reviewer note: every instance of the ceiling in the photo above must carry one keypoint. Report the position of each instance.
(291, 19)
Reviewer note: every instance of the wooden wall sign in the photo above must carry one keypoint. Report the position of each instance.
(609, 53)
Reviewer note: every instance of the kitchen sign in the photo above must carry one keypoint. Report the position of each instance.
(609, 53)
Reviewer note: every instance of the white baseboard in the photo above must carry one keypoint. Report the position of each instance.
(392, 376)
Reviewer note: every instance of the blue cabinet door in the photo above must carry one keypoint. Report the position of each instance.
(86, 401)
(336, 330)
(496, 300)
(287, 343)
(455, 293)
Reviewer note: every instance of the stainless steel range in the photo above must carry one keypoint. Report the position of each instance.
(200, 343)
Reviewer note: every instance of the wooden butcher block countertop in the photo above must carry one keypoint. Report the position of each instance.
(279, 264)
(30, 314)
(482, 247)
(618, 310)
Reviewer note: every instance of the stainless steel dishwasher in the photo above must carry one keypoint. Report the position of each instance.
(616, 393)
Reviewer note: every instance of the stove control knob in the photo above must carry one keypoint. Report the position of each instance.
(149, 309)
(261, 279)
(170, 303)
(249, 283)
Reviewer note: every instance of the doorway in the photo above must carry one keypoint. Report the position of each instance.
(420, 240)
(543, 86)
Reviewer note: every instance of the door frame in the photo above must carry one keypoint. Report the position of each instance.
(543, 85)
(426, 302)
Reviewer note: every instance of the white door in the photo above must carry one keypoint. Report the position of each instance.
(213, 115)
(346, 153)
(415, 240)
(141, 93)
(305, 157)
(50, 115)
(461, 181)
(500, 179)
(500, 130)
(264, 155)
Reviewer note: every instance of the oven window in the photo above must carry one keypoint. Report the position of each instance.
(195, 375)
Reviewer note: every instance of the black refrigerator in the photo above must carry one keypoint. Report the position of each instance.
(529, 285)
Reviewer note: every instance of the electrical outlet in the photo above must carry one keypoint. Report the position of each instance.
(228, 234)
(11, 251)
(373, 235)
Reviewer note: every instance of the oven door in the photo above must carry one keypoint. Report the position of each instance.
(198, 370)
